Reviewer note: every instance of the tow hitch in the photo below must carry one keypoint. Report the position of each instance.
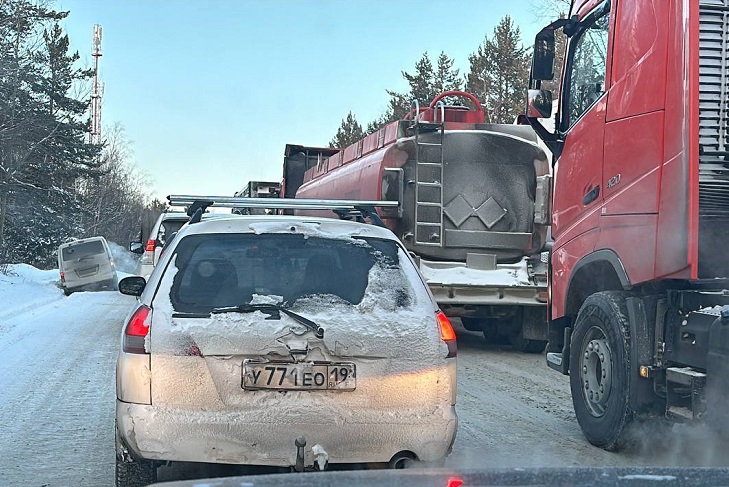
(300, 443)
(320, 456)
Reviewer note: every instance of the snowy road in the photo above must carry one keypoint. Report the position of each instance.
(57, 391)
(57, 400)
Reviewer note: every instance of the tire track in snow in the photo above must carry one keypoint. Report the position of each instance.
(57, 396)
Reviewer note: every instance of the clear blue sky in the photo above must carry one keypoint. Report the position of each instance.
(209, 92)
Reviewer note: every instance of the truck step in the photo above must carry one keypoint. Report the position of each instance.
(685, 393)
(680, 414)
(554, 361)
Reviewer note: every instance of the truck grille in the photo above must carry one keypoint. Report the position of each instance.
(713, 109)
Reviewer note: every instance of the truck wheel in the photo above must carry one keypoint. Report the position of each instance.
(599, 370)
(526, 345)
(471, 324)
(488, 327)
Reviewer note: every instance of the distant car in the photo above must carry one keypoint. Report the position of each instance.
(166, 225)
(86, 264)
(283, 341)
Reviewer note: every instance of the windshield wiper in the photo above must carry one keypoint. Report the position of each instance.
(273, 311)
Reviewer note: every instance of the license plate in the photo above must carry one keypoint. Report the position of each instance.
(296, 377)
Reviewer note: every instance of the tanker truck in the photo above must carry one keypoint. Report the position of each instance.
(472, 208)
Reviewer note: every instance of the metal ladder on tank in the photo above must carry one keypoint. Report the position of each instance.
(434, 230)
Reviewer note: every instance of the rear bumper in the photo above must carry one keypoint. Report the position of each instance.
(240, 438)
(462, 294)
(81, 282)
(456, 284)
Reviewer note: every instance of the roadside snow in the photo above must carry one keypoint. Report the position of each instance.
(24, 287)
(125, 261)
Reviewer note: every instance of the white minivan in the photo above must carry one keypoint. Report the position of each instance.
(86, 264)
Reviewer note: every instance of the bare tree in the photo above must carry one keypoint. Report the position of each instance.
(118, 197)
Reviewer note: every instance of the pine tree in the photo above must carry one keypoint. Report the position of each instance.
(349, 131)
(478, 79)
(425, 83)
(447, 79)
(499, 72)
(43, 156)
(116, 199)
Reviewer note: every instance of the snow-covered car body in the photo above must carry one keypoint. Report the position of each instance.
(208, 383)
(86, 263)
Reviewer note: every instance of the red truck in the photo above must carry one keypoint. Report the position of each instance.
(638, 291)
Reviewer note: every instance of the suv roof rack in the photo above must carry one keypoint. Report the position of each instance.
(345, 209)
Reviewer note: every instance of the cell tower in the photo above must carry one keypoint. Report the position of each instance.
(95, 132)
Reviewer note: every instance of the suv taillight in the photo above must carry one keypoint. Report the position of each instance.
(151, 244)
(137, 329)
(447, 333)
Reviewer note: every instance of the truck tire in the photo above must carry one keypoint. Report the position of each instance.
(471, 324)
(526, 345)
(599, 370)
(488, 327)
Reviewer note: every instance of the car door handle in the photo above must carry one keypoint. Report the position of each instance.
(591, 196)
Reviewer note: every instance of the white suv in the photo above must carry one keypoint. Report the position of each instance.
(168, 223)
(283, 341)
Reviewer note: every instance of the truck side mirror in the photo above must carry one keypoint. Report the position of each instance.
(539, 104)
(543, 58)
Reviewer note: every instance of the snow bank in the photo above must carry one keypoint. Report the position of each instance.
(24, 287)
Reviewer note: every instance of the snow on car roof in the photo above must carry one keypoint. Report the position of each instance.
(313, 226)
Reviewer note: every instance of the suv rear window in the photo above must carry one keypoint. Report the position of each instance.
(80, 251)
(217, 270)
(167, 228)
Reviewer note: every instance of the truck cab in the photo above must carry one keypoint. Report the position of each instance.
(640, 208)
